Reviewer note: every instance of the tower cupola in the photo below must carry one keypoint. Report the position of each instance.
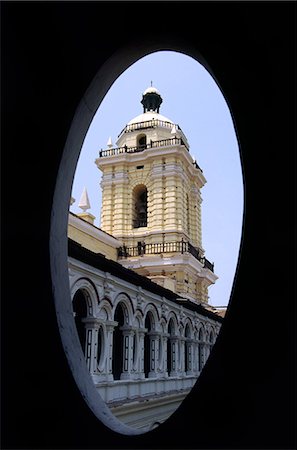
(151, 100)
(151, 201)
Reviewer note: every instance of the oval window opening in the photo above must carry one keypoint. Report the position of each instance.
(150, 266)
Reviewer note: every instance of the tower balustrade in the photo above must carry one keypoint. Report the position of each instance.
(165, 247)
(140, 148)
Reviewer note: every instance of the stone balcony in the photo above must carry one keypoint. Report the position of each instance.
(181, 247)
(140, 148)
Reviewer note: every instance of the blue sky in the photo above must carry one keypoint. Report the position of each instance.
(192, 99)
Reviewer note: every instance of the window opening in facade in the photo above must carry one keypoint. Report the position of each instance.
(147, 346)
(170, 348)
(187, 350)
(141, 141)
(118, 342)
(140, 207)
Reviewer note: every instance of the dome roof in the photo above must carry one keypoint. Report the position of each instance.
(151, 90)
(149, 115)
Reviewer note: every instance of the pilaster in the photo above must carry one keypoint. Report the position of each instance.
(92, 326)
(128, 334)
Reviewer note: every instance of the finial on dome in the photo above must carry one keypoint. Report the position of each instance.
(84, 202)
(151, 99)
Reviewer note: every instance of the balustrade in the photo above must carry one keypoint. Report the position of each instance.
(164, 247)
(140, 148)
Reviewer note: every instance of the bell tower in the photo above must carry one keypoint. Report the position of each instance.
(151, 201)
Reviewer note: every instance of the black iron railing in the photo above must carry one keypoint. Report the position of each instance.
(140, 148)
(164, 247)
(147, 124)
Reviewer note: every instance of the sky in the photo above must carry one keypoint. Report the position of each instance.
(193, 100)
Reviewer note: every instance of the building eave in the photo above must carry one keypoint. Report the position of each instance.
(100, 262)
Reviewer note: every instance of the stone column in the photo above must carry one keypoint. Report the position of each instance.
(182, 356)
(206, 351)
(109, 325)
(201, 356)
(92, 326)
(154, 354)
(163, 363)
(174, 356)
(190, 357)
(128, 334)
(141, 334)
(138, 364)
(195, 358)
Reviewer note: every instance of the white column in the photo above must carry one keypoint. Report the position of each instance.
(154, 354)
(174, 356)
(163, 365)
(182, 353)
(195, 358)
(110, 325)
(92, 326)
(127, 352)
(201, 356)
(190, 357)
(140, 359)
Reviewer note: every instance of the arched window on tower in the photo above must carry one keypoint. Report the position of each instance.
(80, 309)
(117, 344)
(141, 141)
(140, 206)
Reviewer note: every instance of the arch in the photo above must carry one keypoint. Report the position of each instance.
(139, 206)
(172, 316)
(141, 141)
(150, 307)
(128, 307)
(90, 291)
(188, 330)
